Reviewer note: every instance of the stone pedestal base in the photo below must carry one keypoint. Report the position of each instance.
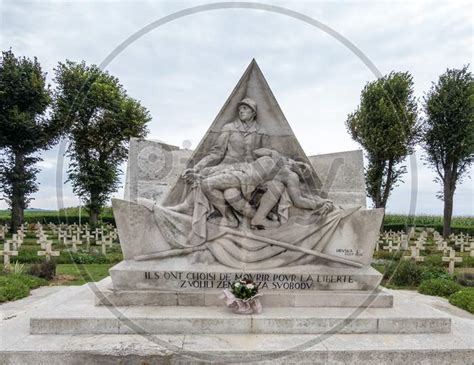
(81, 316)
(106, 295)
(67, 329)
(177, 282)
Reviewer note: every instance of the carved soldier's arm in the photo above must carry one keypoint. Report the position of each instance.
(213, 158)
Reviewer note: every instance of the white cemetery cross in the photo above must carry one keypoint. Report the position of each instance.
(380, 242)
(470, 248)
(439, 242)
(404, 241)
(396, 240)
(88, 237)
(104, 242)
(6, 252)
(42, 241)
(461, 244)
(415, 255)
(452, 259)
(62, 236)
(75, 241)
(48, 252)
(420, 244)
(15, 242)
(114, 234)
(38, 227)
(21, 234)
(443, 246)
(96, 232)
(390, 246)
(70, 235)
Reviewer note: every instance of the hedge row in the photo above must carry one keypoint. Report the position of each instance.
(57, 219)
(454, 229)
(107, 218)
(428, 220)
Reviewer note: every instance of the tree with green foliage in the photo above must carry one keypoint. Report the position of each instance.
(385, 125)
(448, 133)
(99, 118)
(24, 130)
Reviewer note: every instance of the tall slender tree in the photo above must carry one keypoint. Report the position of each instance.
(385, 125)
(448, 133)
(24, 130)
(99, 118)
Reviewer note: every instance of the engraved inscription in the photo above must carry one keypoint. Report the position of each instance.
(203, 280)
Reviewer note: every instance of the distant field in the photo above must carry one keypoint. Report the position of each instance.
(429, 220)
(71, 215)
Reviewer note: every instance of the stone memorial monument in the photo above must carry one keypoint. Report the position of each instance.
(247, 202)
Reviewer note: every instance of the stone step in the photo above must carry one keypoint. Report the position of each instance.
(345, 299)
(78, 318)
(18, 346)
(439, 349)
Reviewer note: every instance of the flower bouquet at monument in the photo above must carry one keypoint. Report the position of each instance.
(242, 297)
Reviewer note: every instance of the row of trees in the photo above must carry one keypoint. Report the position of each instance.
(88, 106)
(388, 127)
(91, 108)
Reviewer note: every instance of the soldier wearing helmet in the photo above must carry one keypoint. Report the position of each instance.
(235, 147)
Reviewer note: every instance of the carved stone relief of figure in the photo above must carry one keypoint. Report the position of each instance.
(249, 198)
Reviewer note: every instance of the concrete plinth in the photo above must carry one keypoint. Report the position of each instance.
(18, 346)
(108, 296)
(81, 316)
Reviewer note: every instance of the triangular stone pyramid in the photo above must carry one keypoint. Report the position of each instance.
(252, 85)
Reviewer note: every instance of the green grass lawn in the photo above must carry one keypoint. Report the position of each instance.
(74, 274)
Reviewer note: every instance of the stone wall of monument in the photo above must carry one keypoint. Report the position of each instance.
(342, 176)
(158, 165)
(152, 168)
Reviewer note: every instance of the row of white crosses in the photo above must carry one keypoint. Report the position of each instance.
(465, 243)
(45, 243)
(10, 247)
(414, 254)
(415, 250)
(394, 241)
(74, 235)
(74, 232)
(449, 253)
(16, 242)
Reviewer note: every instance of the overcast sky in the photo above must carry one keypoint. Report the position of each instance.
(184, 71)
